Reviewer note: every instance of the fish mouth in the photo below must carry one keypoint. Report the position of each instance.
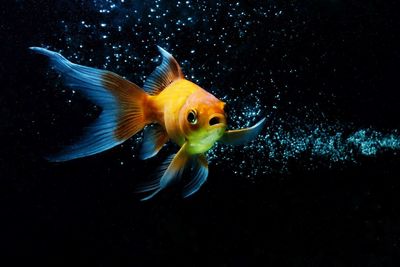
(217, 120)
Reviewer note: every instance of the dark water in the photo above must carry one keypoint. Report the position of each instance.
(319, 187)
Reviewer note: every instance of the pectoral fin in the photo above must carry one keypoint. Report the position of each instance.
(154, 139)
(242, 136)
(170, 171)
(199, 175)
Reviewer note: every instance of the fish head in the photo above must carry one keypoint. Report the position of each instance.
(202, 121)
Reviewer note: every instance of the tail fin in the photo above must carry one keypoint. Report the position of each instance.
(122, 103)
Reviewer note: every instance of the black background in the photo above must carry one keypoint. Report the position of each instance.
(85, 211)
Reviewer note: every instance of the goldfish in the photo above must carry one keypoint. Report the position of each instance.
(168, 108)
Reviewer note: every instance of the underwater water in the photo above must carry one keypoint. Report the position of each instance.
(318, 187)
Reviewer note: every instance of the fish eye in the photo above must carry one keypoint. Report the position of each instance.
(192, 117)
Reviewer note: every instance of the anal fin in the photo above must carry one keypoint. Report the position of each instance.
(171, 171)
(199, 175)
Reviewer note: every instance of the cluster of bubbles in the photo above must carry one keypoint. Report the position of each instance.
(290, 139)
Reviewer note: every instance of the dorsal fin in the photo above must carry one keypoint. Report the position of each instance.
(164, 74)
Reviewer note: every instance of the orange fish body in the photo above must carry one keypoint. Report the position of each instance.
(169, 107)
(172, 105)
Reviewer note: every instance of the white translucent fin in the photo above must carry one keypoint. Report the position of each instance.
(242, 136)
(164, 74)
(154, 138)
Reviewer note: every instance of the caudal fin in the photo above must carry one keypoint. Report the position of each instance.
(122, 103)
